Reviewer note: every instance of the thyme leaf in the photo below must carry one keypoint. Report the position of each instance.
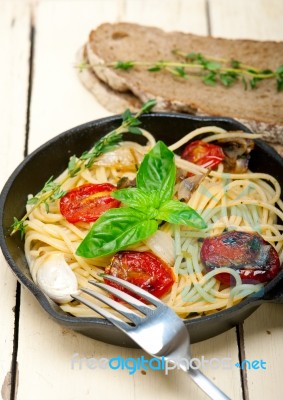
(124, 65)
(235, 64)
(180, 71)
(73, 167)
(147, 107)
(228, 78)
(210, 78)
(18, 225)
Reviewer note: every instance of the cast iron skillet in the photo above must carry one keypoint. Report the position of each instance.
(52, 158)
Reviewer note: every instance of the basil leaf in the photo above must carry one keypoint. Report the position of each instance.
(114, 230)
(137, 198)
(176, 212)
(157, 172)
(133, 197)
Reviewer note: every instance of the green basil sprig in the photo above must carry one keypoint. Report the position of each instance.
(144, 208)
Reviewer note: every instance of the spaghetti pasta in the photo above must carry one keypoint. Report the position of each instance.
(248, 202)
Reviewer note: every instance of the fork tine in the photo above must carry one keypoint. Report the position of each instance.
(133, 288)
(132, 316)
(104, 313)
(137, 304)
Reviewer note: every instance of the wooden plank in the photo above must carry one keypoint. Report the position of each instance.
(14, 67)
(256, 19)
(186, 16)
(263, 341)
(253, 19)
(58, 102)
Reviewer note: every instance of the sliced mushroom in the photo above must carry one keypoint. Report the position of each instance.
(236, 152)
(188, 186)
(126, 182)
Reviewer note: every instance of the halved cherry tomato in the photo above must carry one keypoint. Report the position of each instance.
(207, 155)
(87, 202)
(247, 253)
(143, 269)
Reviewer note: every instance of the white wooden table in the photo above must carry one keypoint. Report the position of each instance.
(40, 96)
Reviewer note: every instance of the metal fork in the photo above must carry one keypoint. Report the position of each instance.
(160, 332)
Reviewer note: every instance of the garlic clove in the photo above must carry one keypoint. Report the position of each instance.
(56, 279)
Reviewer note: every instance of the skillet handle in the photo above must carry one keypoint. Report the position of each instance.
(275, 295)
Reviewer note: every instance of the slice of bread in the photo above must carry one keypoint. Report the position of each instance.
(261, 109)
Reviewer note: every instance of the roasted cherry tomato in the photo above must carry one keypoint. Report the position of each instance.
(247, 253)
(205, 154)
(143, 269)
(87, 202)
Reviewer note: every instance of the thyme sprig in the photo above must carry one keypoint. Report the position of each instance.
(52, 190)
(211, 70)
(230, 71)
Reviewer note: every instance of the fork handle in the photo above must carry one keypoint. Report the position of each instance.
(206, 385)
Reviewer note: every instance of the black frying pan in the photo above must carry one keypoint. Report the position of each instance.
(52, 158)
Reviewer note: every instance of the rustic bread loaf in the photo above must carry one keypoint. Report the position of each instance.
(261, 109)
